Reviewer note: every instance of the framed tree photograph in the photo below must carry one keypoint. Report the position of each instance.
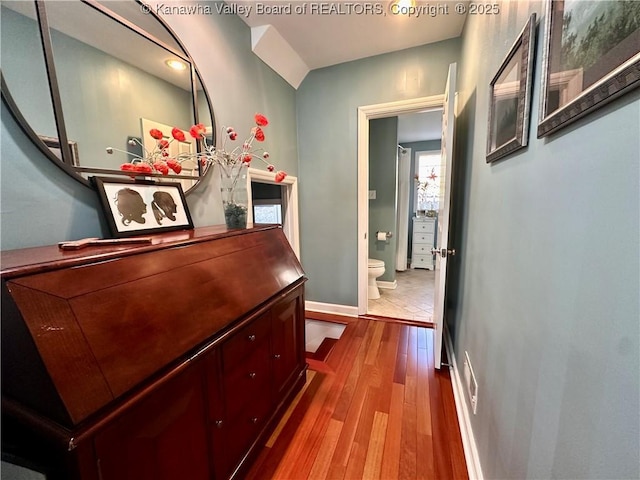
(141, 207)
(592, 55)
(510, 97)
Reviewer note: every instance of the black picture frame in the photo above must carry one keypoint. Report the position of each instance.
(591, 57)
(136, 207)
(510, 97)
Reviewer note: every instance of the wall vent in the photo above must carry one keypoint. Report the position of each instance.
(470, 381)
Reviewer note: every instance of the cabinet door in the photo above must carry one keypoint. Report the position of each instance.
(163, 438)
(287, 343)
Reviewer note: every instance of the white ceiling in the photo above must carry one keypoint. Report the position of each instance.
(342, 32)
(328, 33)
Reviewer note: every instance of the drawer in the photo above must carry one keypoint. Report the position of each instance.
(421, 261)
(424, 227)
(247, 381)
(233, 437)
(246, 340)
(423, 238)
(422, 249)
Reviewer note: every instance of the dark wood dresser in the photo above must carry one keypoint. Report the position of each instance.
(166, 361)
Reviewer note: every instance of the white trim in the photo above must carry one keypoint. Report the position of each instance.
(464, 415)
(388, 285)
(365, 113)
(320, 307)
(290, 221)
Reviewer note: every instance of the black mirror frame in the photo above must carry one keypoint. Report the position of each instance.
(66, 162)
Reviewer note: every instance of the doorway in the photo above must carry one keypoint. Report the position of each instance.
(288, 203)
(365, 114)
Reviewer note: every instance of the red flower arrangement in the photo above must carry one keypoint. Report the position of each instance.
(159, 161)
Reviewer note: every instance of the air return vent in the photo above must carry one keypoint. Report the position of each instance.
(470, 381)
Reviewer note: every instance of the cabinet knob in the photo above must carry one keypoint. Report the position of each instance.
(276, 356)
(254, 420)
(219, 423)
(252, 375)
(251, 338)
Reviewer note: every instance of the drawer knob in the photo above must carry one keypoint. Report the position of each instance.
(277, 356)
(251, 338)
(252, 375)
(254, 420)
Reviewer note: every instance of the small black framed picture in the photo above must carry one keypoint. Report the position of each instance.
(136, 207)
(510, 97)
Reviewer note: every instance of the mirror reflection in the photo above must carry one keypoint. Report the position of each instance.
(23, 65)
(110, 92)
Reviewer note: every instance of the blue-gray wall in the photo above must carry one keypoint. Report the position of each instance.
(546, 288)
(41, 205)
(327, 104)
(383, 168)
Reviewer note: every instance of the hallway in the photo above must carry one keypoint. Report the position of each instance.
(411, 300)
(375, 408)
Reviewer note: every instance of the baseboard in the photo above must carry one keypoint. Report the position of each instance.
(388, 285)
(331, 308)
(464, 415)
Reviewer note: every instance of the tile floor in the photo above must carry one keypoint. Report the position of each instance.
(316, 331)
(411, 300)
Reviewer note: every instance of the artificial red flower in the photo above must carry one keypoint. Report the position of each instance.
(127, 167)
(161, 167)
(261, 120)
(280, 176)
(271, 168)
(265, 155)
(178, 134)
(247, 158)
(174, 165)
(155, 133)
(229, 129)
(259, 134)
(233, 135)
(163, 144)
(143, 167)
(197, 131)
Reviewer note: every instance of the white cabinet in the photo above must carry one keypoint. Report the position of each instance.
(424, 232)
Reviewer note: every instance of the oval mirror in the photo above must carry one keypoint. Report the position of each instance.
(80, 77)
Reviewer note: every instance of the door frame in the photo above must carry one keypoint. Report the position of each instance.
(290, 213)
(366, 113)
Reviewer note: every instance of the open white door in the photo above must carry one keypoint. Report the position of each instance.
(442, 251)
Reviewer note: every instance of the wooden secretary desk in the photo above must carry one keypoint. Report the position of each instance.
(168, 361)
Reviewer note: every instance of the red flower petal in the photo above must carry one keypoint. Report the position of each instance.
(143, 167)
(161, 167)
(259, 134)
(178, 134)
(163, 144)
(271, 168)
(197, 131)
(280, 176)
(247, 158)
(155, 133)
(127, 167)
(233, 135)
(261, 120)
(174, 165)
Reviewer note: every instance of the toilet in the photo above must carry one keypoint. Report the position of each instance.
(376, 269)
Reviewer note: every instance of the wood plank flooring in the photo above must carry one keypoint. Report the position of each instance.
(375, 408)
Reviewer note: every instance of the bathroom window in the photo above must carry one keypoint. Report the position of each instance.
(427, 180)
(267, 202)
(267, 211)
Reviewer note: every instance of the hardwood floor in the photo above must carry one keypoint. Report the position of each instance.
(374, 409)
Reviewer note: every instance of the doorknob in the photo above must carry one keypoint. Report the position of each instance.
(443, 252)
